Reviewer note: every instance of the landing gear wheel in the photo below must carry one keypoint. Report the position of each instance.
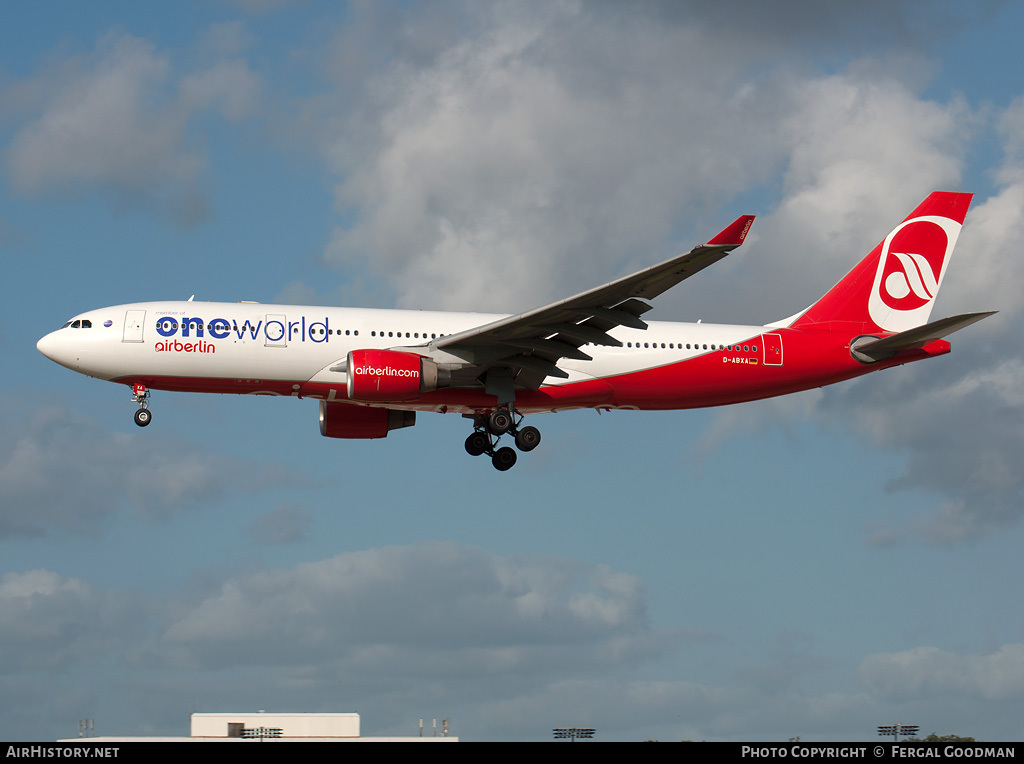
(527, 438)
(500, 422)
(504, 459)
(140, 395)
(477, 443)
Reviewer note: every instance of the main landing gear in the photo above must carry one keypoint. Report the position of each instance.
(487, 431)
(140, 395)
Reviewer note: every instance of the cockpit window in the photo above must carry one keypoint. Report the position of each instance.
(86, 324)
(76, 324)
(66, 325)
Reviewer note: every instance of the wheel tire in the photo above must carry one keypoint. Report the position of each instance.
(527, 438)
(504, 459)
(499, 422)
(477, 443)
(143, 417)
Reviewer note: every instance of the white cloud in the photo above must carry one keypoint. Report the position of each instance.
(505, 168)
(862, 152)
(986, 272)
(460, 629)
(457, 609)
(117, 122)
(61, 473)
(924, 672)
(508, 643)
(47, 620)
(285, 524)
(961, 436)
(264, 6)
(229, 86)
(500, 642)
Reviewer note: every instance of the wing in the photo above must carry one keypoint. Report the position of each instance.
(520, 351)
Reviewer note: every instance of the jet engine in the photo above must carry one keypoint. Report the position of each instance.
(346, 420)
(392, 375)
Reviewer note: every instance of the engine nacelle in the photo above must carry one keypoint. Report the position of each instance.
(391, 375)
(346, 420)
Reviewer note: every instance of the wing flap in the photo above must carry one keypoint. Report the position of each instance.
(613, 316)
(581, 334)
(550, 347)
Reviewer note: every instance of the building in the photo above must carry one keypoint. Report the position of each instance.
(269, 728)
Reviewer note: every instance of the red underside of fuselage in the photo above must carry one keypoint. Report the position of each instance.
(809, 359)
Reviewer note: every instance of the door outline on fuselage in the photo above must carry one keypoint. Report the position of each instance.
(771, 346)
(134, 323)
(274, 341)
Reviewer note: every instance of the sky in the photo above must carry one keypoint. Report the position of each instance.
(814, 565)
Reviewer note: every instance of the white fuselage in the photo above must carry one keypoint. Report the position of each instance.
(296, 344)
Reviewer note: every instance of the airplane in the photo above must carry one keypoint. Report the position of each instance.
(373, 370)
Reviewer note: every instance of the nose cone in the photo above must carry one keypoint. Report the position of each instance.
(56, 347)
(46, 346)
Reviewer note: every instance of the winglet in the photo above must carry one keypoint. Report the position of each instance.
(734, 235)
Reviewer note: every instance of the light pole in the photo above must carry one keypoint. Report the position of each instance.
(574, 732)
(884, 730)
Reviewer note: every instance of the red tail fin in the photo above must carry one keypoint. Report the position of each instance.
(893, 288)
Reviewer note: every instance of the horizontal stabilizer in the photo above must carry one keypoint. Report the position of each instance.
(870, 350)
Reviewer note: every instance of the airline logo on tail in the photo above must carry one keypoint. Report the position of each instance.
(911, 265)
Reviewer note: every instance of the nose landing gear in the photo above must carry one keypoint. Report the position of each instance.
(488, 430)
(140, 395)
